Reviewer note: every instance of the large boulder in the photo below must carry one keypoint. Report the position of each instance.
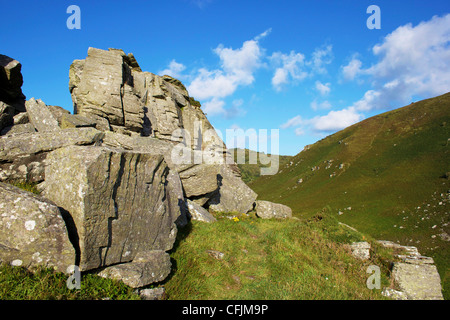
(199, 180)
(102, 88)
(415, 275)
(268, 210)
(12, 100)
(199, 213)
(118, 201)
(418, 281)
(164, 105)
(22, 156)
(6, 115)
(150, 113)
(32, 231)
(233, 195)
(11, 81)
(146, 268)
(40, 116)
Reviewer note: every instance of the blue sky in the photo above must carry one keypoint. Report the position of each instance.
(306, 68)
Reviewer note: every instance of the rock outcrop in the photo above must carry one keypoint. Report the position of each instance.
(33, 231)
(416, 275)
(268, 210)
(12, 100)
(147, 267)
(118, 201)
(22, 156)
(199, 213)
(361, 250)
(40, 116)
(110, 88)
(133, 163)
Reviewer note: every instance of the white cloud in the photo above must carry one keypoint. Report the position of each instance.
(212, 84)
(324, 89)
(351, 70)
(214, 107)
(293, 122)
(320, 106)
(320, 58)
(336, 120)
(412, 61)
(333, 121)
(291, 66)
(299, 131)
(235, 110)
(174, 69)
(237, 69)
(263, 35)
(294, 67)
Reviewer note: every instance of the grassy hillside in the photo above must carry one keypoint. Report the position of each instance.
(245, 258)
(251, 171)
(387, 176)
(271, 259)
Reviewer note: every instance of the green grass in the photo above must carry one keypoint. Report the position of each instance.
(389, 169)
(18, 283)
(263, 259)
(269, 259)
(194, 102)
(252, 171)
(27, 186)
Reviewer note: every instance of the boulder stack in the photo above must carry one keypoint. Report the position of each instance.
(133, 163)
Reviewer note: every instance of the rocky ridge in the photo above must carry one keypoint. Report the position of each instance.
(415, 276)
(118, 177)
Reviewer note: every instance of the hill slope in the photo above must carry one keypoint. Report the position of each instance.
(387, 176)
(255, 259)
(250, 170)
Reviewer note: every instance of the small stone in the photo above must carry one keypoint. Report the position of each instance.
(216, 254)
(361, 250)
(152, 294)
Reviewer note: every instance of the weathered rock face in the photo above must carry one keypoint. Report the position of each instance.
(418, 281)
(11, 79)
(126, 169)
(163, 104)
(109, 87)
(146, 268)
(199, 213)
(416, 275)
(268, 210)
(100, 85)
(12, 100)
(234, 194)
(40, 116)
(361, 250)
(199, 181)
(22, 156)
(33, 231)
(6, 115)
(118, 201)
(76, 121)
